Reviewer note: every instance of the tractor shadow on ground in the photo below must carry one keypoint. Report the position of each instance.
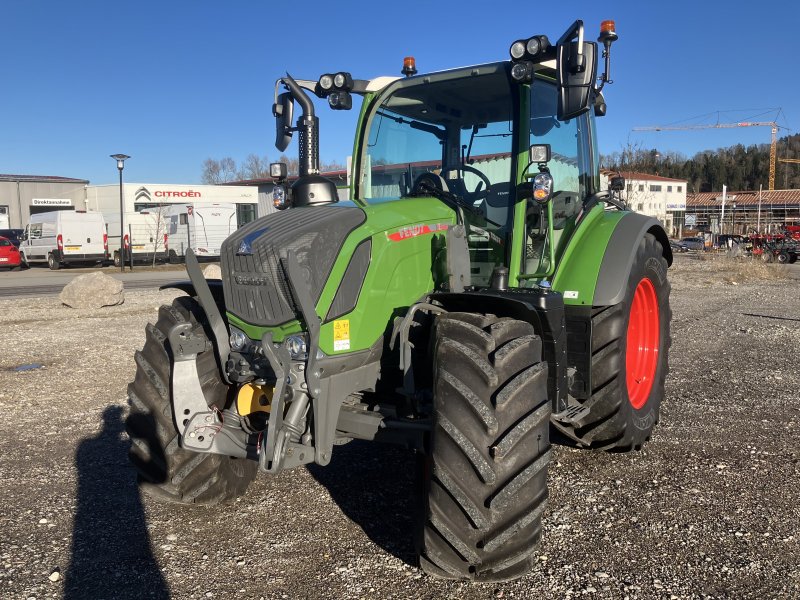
(374, 485)
(111, 556)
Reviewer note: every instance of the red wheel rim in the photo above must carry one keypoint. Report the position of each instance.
(641, 358)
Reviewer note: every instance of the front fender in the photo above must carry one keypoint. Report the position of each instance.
(612, 279)
(593, 270)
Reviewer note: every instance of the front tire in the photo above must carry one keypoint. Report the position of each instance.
(485, 476)
(165, 470)
(630, 346)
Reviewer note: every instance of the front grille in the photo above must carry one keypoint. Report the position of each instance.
(252, 259)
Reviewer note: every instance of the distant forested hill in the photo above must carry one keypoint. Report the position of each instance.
(740, 168)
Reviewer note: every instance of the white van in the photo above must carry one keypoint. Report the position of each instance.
(145, 237)
(201, 227)
(62, 237)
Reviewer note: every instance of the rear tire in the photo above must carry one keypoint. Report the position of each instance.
(783, 258)
(628, 383)
(53, 263)
(165, 470)
(117, 260)
(485, 476)
(173, 258)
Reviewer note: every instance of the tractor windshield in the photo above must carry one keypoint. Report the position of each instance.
(448, 134)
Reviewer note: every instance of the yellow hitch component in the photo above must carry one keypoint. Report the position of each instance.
(253, 398)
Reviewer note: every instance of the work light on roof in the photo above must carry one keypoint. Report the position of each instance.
(522, 72)
(530, 48)
(343, 81)
(517, 50)
(340, 100)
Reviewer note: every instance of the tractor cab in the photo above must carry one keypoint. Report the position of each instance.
(479, 139)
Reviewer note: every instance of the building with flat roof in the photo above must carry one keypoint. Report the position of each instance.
(24, 195)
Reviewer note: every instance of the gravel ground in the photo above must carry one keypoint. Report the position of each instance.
(709, 509)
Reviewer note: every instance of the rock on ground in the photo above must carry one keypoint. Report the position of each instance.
(212, 271)
(93, 290)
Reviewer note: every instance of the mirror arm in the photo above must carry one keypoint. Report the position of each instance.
(577, 61)
(298, 94)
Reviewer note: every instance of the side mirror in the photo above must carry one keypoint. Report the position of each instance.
(283, 110)
(577, 71)
(616, 184)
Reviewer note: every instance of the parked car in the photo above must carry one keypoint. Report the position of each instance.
(677, 246)
(9, 255)
(693, 243)
(12, 235)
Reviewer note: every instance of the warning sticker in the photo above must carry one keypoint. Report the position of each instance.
(570, 294)
(341, 335)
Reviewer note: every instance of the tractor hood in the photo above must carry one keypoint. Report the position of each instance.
(393, 249)
(254, 280)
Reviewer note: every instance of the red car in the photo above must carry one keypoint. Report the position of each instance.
(9, 255)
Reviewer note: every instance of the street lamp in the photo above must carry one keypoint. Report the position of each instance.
(121, 158)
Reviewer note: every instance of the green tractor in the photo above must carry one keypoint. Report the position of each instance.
(477, 291)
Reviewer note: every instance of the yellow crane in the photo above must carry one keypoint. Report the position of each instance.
(786, 173)
(772, 146)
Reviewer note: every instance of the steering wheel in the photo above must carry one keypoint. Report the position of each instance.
(427, 181)
(478, 193)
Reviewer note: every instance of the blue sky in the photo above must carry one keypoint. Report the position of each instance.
(172, 83)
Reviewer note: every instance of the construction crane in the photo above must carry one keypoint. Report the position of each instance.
(786, 172)
(772, 147)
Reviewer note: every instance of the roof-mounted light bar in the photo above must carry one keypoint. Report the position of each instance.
(523, 53)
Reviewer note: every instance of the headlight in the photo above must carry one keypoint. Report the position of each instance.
(542, 187)
(278, 197)
(326, 82)
(238, 340)
(533, 46)
(297, 346)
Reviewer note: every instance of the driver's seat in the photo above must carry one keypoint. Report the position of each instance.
(495, 205)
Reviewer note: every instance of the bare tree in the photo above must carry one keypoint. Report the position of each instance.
(292, 164)
(218, 171)
(331, 166)
(254, 167)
